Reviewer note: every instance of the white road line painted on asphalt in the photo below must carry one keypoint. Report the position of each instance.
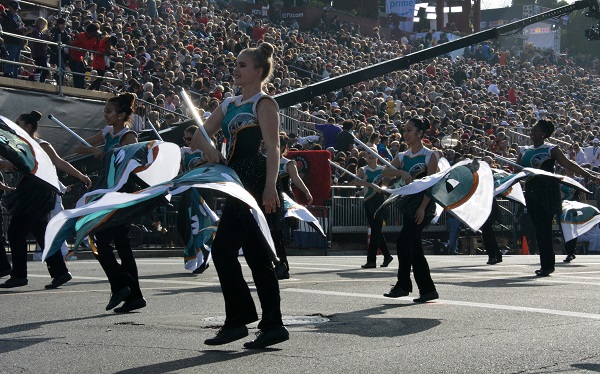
(166, 281)
(355, 295)
(562, 313)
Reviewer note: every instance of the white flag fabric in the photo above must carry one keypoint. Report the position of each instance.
(26, 154)
(508, 186)
(443, 165)
(531, 172)
(153, 162)
(118, 207)
(466, 190)
(577, 219)
(293, 209)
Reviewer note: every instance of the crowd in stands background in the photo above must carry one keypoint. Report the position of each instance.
(481, 100)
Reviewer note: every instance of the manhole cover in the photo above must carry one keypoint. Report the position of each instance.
(287, 320)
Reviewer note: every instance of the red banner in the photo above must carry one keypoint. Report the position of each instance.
(315, 171)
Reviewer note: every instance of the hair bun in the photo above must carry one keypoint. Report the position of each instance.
(267, 49)
(35, 115)
(426, 124)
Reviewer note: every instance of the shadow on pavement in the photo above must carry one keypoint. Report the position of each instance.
(8, 345)
(525, 281)
(588, 367)
(357, 323)
(178, 291)
(207, 357)
(35, 325)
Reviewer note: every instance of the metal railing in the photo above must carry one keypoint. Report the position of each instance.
(347, 213)
(59, 69)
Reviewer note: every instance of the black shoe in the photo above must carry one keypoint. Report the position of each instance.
(59, 281)
(569, 258)
(117, 297)
(544, 272)
(5, 272)
(396, 291)
(14, 282)
(128, 306)
(369, 265)
(265, 338)
(386, 262)
(427, 296)
(493, 261)
(201, 269)
(227, 335)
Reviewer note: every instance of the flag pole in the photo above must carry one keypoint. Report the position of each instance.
(371, 151)
(79, 138)
(342, 169)
(501, 158)
(154, 129)
(195, 114)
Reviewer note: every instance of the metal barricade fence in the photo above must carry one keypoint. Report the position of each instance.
(301, 235)
(347, 214)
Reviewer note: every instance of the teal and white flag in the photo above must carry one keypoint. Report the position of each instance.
(27, 155)
(506, 185)
(532, 172)
(115, 208)
(295, 210)
(196, 224)
(153, 162)
(577, 219)
(466, 190)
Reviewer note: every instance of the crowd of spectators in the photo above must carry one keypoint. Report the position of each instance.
(482, 101)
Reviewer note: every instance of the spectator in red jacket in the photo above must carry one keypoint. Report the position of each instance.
(86, 40)
(102, 60)
(259, 31)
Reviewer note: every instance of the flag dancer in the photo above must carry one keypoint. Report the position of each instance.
(249, 121)
(123, 277)
(32, 203)
(418, 210)
(542, 194)
(368, 177)
(288, 174)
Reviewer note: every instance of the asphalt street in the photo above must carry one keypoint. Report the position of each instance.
(489, 319)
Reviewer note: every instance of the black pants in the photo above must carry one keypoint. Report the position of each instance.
(78, 67)
(125, 273)
(487, 233)
(42, 61)
(411, 255)
(570, 246)
(279, 242)
(542, 223)
(4, 264)
(377, 239)
(18, 229)
(237, 229)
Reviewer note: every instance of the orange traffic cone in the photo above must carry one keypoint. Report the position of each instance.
(524, 246)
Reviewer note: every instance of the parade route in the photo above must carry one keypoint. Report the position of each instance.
(489, 319)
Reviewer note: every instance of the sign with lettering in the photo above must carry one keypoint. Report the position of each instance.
(403, 8)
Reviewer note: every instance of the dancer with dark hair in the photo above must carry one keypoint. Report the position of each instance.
(123, 277)
(288, 174)
(417, 212)
(370, 175)
(30, 210)
(542, 194)
(250, 122)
